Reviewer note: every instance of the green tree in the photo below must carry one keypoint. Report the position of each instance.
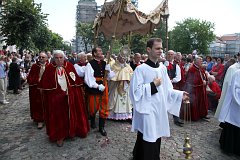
(192, 34)
(56, 41)
(103, 42)
(84, 30)
(20, 20)
(67, 48)
(138, 43)
(42, 38)
(160, 32)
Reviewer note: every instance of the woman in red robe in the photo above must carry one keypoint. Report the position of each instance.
(218, 71)
(196, 81)
(65, 114)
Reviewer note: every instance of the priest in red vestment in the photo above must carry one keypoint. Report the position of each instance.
(35, 96)
(65, 114)
(196, 81)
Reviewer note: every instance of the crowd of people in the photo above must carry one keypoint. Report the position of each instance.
(68, 91)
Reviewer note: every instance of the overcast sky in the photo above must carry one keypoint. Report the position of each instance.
(224, 13)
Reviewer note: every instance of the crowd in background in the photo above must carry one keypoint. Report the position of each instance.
(15, 68)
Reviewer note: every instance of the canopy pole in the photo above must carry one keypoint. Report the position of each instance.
(167, 33)
(95, 37)
(115, 29)
(96, 31)
(113, 38)
(118, 15)
(129, 39)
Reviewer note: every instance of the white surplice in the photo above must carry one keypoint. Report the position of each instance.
(150, 115)
(230, 111)
(228, 77)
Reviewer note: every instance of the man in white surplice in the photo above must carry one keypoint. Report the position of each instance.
(153, 97)
(230, 116)
(227, 79)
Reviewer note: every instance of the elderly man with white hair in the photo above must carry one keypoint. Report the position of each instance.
(35, 94)
(120, 106)
(65, 113)
(213, 92)
(82, 62)
(174, 73)
(196, 81)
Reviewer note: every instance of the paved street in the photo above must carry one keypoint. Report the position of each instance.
(20, 139)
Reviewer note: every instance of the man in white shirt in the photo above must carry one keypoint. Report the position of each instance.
(97, 88)
(153, 96)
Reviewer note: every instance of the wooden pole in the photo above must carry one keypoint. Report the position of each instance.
(129, 39)
(167, 33)
(96, 31)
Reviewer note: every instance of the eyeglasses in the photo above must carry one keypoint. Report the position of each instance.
(41, 57)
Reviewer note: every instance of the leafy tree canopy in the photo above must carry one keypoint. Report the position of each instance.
(20, 20)
(84, 30)
(192, 34)
(24, 25)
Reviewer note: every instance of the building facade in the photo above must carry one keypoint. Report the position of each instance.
(85, 13)
(227, 44)
(217, 48)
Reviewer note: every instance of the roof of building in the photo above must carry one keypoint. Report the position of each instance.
(230, 37)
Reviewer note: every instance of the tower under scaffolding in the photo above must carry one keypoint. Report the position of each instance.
(135, 3)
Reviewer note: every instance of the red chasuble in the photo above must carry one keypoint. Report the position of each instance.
(35, 97)
(65, 114)
(197, 92)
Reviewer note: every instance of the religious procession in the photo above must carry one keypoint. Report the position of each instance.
(72, 95)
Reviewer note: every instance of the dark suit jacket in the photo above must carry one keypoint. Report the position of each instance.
(73, 61)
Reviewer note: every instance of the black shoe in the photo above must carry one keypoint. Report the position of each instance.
(178, 124)
(93, 126)
(129, 121)
(180, 121)
(101, 127)
(93, 123)
(207, 117)
(102, 131)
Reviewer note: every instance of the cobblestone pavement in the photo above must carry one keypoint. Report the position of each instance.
(20, 139)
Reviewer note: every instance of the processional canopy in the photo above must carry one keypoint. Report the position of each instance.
(128, 18)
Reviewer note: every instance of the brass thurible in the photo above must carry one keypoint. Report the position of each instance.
(187, 147)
